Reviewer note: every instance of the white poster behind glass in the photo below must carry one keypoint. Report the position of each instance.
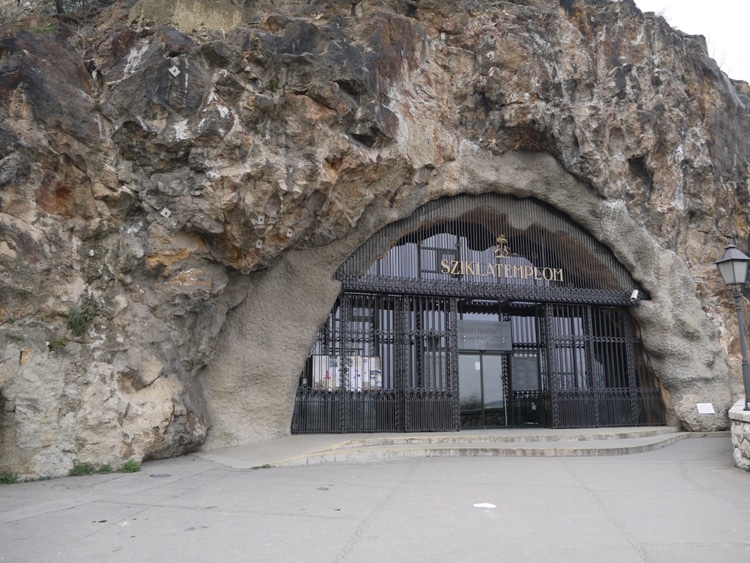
(372, 376)
(325, 372)
(364, 372)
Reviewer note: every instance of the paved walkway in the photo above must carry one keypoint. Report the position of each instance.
(683, 502)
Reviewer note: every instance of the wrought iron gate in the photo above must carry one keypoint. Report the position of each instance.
(387, 357)
(390, 364)
(381, 364)
(594, 378)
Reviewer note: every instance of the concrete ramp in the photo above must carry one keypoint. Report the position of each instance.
(540, 442)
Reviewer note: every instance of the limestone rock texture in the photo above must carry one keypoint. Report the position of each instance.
(740, 432)
(176, 194)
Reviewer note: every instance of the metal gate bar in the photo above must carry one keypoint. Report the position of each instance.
(429, 411)
(596, 380)
(590, 373)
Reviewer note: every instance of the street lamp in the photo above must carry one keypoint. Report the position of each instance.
(733, 269)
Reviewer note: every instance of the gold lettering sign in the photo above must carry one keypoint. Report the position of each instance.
(508, 271)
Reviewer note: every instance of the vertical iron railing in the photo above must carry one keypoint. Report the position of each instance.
(427, 391)
(603, 391)
(399, 374)
(390, 363)
(344, 409)
(551, 374)
(635, 402)
(392, 367)
(452, 350)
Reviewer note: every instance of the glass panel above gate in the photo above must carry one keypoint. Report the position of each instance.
(490, 246)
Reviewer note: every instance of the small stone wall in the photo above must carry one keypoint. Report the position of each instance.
(740, 421)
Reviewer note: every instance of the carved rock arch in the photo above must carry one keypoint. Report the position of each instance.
(250, 386)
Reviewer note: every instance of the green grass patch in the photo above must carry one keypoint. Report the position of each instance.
(9, 478)
(79, 319)
(58, 344)
(44, 29)
(130, 466)
(82, 469)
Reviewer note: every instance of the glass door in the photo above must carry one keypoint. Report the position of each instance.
(481, 386)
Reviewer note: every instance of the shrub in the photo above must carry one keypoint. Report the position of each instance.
(79, 319)
(82, 469)
(9, 478)
(45, 29)
(130, 466)
(57, 344)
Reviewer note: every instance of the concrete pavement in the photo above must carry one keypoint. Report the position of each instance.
(682, 502)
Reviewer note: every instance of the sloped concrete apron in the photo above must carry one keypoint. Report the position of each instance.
(312, 449)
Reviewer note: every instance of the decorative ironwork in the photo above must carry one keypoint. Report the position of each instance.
(400, 362)
(430, 410)
(590, 367)
(630, 361)
(552, 366)
(397, 359)
(578, 407)
(453, 288)
(501, 246)
(502, 250)
(345, 409)
(318, 411)
(387, 359)
(650, 407)
(453, 362)
(505, 377)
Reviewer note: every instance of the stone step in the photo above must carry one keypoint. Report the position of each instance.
(514, 435)
(516, 443)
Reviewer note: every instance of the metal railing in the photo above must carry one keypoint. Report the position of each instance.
(596, 408)
(318, 411)
(429, 410)
(389, 362)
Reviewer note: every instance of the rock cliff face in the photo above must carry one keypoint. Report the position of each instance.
(174, 201)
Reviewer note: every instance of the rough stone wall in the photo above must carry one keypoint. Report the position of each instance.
(740, 430)
(191, 15)
(172, 205)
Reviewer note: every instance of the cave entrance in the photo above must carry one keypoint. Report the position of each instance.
(478, 312)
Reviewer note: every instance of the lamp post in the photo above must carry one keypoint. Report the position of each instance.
(733, 269)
